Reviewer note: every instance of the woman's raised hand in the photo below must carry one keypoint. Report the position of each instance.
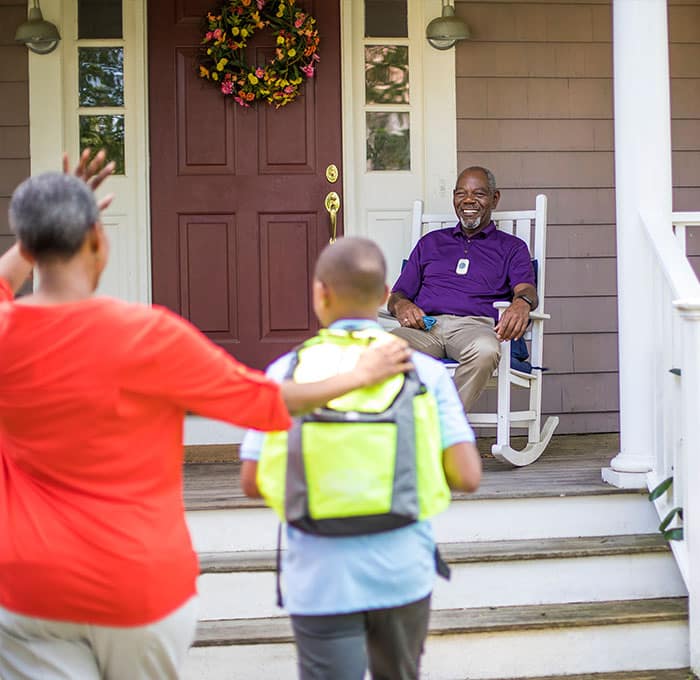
(92, 172)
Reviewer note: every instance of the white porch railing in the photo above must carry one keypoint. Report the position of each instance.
(673, 319)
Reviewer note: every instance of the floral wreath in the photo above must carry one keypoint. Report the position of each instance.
(222, 58)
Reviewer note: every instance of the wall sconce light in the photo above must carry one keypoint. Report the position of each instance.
(38, 35)
(444, 31)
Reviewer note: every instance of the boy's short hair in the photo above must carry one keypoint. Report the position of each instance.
(354, 268)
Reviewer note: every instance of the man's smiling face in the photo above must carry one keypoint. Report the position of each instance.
(474, 201)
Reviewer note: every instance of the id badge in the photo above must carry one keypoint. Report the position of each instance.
(462, 266)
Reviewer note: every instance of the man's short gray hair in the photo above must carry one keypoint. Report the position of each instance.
(490, 177)
(51, 214)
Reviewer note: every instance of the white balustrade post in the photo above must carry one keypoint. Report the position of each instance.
(690, 452)
(642, 180)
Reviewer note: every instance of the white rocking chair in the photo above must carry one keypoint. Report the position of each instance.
(531, 227)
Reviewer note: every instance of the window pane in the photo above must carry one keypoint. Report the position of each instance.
(101, 76)
(104, 132)
(99, 19)
(388, 141)
(386, 74)
(386, 19)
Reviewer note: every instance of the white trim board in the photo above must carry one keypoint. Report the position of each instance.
(53, 129)
(199, 431)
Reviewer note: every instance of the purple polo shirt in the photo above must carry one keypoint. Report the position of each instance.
(497, 263)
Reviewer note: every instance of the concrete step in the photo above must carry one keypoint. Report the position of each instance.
(495, 573)
(661, 674)
(480, 642)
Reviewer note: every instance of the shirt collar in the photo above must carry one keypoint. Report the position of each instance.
(486, 232)
(354, 324)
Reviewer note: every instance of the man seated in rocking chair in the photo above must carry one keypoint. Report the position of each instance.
(454, 275)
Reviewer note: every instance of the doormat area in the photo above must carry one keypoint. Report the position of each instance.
(212, 453)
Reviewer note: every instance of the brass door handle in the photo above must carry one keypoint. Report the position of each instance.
(332, 204)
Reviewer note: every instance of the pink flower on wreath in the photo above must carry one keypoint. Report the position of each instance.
(227, 87)
(260, 4)
(289, 89)
(238, 99)
(299, 22)
(308, 70)
(259, 73)
(209, 35)
(218, 33)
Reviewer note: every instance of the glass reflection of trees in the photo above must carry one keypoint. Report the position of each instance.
(388, 141)
(104, 132)
(101, 76)
(386, 74)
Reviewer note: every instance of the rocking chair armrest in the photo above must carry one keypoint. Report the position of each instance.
(535, 315)
(539, 316)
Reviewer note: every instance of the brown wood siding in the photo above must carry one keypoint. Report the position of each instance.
(535, 105)
(14, 111)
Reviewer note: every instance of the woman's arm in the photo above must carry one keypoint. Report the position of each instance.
(14, 268)
(374, 365)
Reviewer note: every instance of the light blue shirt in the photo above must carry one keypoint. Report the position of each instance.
(338, 575)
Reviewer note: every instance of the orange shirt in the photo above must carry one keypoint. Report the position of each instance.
(92, 400)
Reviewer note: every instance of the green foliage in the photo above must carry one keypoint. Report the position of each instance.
(388, 141)
(675, 533)
(104, 132)
(101, 76)
(386, 74)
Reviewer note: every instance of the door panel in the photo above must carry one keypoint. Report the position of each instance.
(237, 194)
(208, 296)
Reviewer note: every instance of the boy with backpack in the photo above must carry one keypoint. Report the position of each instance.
(357, 481)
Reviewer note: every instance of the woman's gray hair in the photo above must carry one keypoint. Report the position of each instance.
(51, 214)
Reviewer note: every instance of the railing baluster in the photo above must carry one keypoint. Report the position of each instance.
(690, 463)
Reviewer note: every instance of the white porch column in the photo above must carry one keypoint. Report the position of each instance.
(642, 180)
(690, 391)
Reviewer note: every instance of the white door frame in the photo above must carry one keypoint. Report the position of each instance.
(53, 127)
(378, 205)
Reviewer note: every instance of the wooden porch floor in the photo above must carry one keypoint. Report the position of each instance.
(569, 467)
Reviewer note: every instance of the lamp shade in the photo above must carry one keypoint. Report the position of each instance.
(444, 31)
(38, 35)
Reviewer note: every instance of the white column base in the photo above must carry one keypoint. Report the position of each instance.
(624, 480)
(628, 462)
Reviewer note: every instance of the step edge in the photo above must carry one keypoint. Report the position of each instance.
(565, 616)
(465, 552)
(682, 673)
(240, 502)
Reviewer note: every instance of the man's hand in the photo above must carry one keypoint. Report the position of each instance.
(408, 314)
(513, 321)
(92, 172)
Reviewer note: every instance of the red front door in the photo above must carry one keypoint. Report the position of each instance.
(237, 195)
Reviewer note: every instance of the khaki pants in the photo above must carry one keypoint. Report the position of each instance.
(468, 340)
(41, 649)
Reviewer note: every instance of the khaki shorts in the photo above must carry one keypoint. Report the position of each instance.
(33, 648)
